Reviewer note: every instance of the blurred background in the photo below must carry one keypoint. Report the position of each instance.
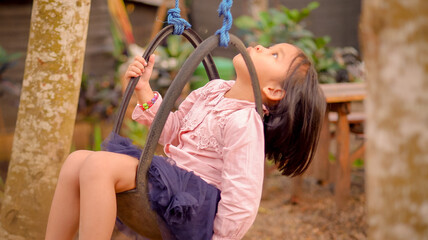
(326, 30)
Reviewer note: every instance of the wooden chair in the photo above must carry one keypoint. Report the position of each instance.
(356, 121)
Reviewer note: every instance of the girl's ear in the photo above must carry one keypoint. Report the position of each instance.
(273, 93)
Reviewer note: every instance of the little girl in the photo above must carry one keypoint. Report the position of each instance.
(215, 140)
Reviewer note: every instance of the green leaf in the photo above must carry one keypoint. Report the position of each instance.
(302, 46)
(309, 43)
(173, 43)
(265, 20)
(301, 34)
(186, 50)
(97, 137)
(284, 9)
(313, 5)
(136, 132)
(331, 158)
(3, 55)
(278, 18)
(245, 23)
(265, 40)
(307, 10)
(304, 13)
(358, 163)
(322, 41)
(325, 63)
(8, 58)
(294, 15)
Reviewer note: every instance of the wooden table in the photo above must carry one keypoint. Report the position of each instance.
(339, 97)
(344, 92)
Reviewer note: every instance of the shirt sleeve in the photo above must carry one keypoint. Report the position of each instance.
(173, 123)
(242, 175)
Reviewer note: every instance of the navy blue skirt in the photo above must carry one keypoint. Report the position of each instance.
(184, 201)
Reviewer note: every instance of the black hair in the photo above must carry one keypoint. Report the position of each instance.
(293, 125)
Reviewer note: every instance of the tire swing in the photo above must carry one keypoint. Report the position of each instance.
(133, 206)
(192, 37)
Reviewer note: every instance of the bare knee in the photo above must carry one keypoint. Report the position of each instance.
(70, 170)
(95, 168)
(113, 169)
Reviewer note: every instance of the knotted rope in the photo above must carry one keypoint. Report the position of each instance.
(224, 9)
(174, 18)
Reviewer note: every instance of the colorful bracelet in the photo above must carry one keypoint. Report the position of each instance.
(150, 103)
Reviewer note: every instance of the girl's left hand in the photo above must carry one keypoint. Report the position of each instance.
(139, 67)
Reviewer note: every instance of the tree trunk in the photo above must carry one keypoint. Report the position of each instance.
(395, 37)
(46, 115)
(256, 6)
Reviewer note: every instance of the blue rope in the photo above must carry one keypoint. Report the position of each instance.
(224, 9)
(174, 18)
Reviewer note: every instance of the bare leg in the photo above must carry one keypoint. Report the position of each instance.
(64, 215)
(102, 175)
(86, 191)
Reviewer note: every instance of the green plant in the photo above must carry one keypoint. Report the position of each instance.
(119, 46)
(174, 53)
(225, 69)
(136, 132)
(286, 25)
(7, 61)
(170, 58)
(98, 139)
(358, 163)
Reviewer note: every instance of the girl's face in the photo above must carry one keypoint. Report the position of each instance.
(272, 64)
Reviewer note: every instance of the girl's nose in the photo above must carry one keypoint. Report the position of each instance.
(259, 48)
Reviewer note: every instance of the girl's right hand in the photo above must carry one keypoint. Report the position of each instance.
(139, 67)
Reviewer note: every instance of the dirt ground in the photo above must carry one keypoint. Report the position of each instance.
(314, 217)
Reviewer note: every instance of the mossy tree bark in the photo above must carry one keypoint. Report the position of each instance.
(46, 115)
(395, 37)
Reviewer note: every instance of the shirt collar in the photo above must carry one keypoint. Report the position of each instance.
(214, 95)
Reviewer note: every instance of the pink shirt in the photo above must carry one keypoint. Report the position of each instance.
(222, 141)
